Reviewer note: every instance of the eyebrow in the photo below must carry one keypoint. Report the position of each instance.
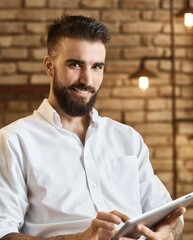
(82, 62)
(74, 61)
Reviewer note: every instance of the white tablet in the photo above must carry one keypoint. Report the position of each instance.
(152, 217)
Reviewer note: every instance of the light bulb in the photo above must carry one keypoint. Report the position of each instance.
(188, 19)
(143, 83)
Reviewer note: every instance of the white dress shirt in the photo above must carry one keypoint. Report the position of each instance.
(52, 184)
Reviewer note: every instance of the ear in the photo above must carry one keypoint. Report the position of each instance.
(48, 66)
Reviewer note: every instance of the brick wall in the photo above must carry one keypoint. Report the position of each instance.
(139, 28)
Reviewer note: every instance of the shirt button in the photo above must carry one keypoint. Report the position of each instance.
(94, 185)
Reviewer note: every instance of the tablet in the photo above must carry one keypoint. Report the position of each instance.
(152, 217)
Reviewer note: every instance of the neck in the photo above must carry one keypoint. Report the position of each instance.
(78, 125)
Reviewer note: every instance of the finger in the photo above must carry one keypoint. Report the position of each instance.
(122, 216)
(109, 217)
(174, 216)
(147, 232)
(97, 223)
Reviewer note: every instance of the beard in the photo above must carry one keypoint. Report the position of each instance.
(71, 105)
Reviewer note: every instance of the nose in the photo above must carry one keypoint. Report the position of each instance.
(86, 76)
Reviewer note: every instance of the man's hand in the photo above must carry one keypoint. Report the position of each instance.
(103, 226)
(165, 230)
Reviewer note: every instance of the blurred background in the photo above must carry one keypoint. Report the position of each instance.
(145, 34)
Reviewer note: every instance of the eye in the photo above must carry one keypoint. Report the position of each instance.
(98, 66)
(74, 65)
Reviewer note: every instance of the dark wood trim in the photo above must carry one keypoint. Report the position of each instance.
(16, 89)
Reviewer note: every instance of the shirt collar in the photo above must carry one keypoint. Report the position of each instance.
(50, 114)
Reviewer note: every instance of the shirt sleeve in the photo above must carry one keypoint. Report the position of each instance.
(13, 191)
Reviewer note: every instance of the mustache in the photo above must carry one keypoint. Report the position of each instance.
(82, 86)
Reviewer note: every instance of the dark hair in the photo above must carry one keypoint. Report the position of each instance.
(79, 27)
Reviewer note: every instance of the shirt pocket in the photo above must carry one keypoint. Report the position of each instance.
(123, 176)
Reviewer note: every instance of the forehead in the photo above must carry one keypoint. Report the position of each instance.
(81, 49)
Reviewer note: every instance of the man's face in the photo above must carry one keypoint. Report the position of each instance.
(78, 74)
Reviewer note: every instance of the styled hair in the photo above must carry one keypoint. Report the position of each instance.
(77, 27)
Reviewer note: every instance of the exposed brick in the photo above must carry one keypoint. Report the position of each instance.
(165, 91)
(26, 41)
(10, 117)
(180, 53)
(179, 28)
(133, 117)
(165, 165)
(127, 92)
(30, 14)
(147, 15)
(14, 53)
(117, 104)
(187, 67)
(184, 188)
(184, 80)
(166, 177)
(125, 40)
(177, 4)
(104, 92)
(114, 27)
(154, 128)
(20, 41)
(159, 104)
(85, 12)
(142, 27)
(140, 4)
(36, 27)
(17, 106)
(7, 27)
(184, 104)
(38, 54)
(185, 114)
(114, 79)
(160, 116)
(5, 41)
(183, 41)
(27, 67)
(161, 15)
(139, 52)
(32, 3)
(116, 115)
(188, 226)
(7, 68)
(99, 3)
(120, 15)
(181, 140)
(113, 53)
(39, 79)
(187, 92)
(14, 79)
(185, 177)
(139, 28)
(120, 67)
(185, 128)
(185, 152)
(162, 40)
(163, 152)
(189, 53)
(156, 140)
(62, 3)
(10, 4)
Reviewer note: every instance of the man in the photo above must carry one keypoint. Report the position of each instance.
(67, 173)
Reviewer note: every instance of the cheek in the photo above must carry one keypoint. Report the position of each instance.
(98, 81)
(68, 77)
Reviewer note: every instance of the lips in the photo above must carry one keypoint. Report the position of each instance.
(82, 89)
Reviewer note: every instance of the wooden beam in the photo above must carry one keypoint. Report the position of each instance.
(24, 88)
